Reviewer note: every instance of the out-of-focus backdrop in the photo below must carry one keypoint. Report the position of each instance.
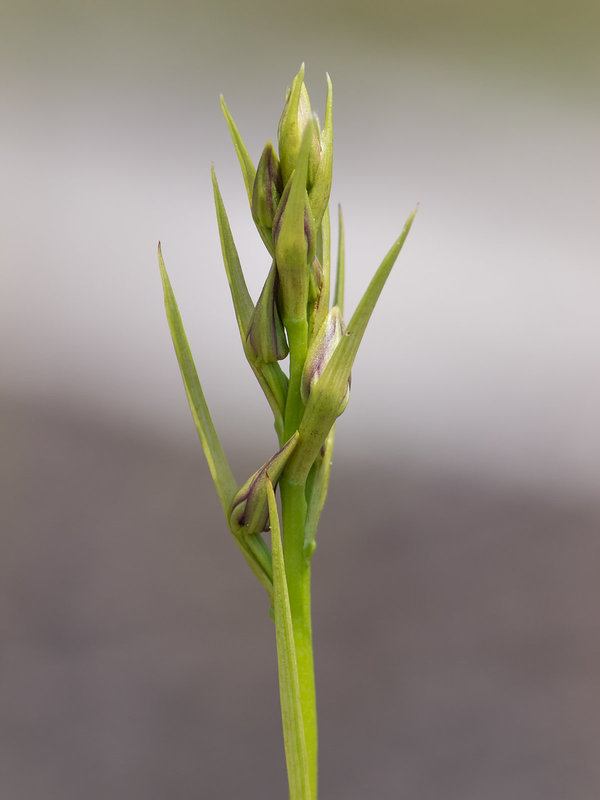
(456, 587)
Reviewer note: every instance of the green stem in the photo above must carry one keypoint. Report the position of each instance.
(297, 569)
(297, 565)
(297, 331)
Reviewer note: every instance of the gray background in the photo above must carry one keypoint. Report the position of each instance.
(456, 599)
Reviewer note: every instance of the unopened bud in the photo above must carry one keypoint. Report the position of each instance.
(296, 116)
(310, 233)
(319, 353)
(266, 335)
(268, 187)
(250, 510)
(295, 240)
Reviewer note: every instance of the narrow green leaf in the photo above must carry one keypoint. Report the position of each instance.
(248, 170)
(253, 549)
(271, 377)
(323, 404)
(258, 556)
(324, 256)
(289, 686)
(340, 275)
(321, 188)
(242, 302)
(317, 486)
(217, 462)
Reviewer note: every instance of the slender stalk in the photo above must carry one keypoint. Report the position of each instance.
(297, 565)
(288, 194)
(297, 568)
(289, 686)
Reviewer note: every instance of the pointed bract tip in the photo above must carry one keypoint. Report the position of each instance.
(410, 220)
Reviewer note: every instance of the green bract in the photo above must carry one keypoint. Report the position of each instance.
(288, 194)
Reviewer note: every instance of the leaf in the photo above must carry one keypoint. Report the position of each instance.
(289, 685)
(248, 170)
(317, 486)
(242, 302)
(254, 549)
(340, 275)
(271, 377)
(323, 404)
(217, 462)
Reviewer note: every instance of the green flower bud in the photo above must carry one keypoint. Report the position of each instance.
(268, 187)
(296, 116)
(320, 351)
(295, 240)
(265, 339)
(310, 232)
(249, 510)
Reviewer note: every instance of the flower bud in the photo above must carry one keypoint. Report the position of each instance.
(295, 240)
(310, 232)
(268, 187)
(266, 335)
(320, 351)
(249, 510)
(296, 116)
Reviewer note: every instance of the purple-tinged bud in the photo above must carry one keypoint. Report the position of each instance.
(265, 340)
(320, 351)
(296, 116)
(249, 510)
(268, 187)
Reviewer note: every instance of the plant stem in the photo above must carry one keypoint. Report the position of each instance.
(297, 564)
(297, 568)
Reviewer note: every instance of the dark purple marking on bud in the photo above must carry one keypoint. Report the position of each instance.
(267, 189)
(320, 352)
(327, 344)
(249, 509)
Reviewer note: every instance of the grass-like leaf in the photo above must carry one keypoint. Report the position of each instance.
(289, 686)
(217, 462)
(340, 275)
(327, 393)
(270, 376)
(248, 169)
(254, 550)
(316, 491)
(242, 302)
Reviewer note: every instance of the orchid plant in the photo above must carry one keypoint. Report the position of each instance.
(297, 315)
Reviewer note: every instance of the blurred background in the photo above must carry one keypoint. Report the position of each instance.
(456, 591)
